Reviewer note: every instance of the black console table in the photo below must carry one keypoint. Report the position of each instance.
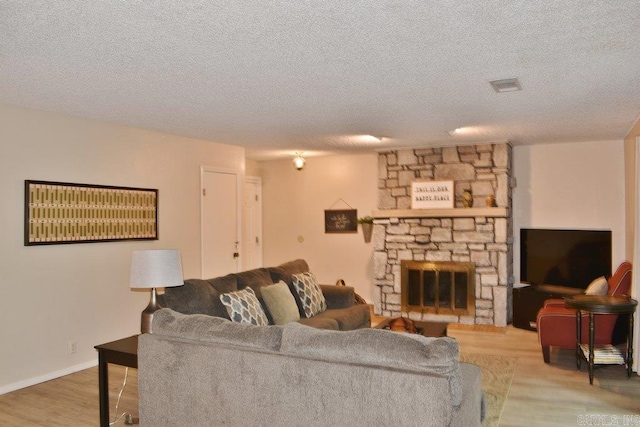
(121, 352)
(528, 300)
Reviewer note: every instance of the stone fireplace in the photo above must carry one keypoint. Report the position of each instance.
(480, 236)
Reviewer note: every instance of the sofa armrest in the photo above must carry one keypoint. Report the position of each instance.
(338, 296)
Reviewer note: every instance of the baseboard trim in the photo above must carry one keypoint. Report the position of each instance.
(47, 377)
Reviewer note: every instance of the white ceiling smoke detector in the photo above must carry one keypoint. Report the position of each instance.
(506, 85)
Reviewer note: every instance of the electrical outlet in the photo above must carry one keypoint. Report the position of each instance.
(130, 420)
(72, 347)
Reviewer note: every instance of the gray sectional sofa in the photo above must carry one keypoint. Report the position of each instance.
(197, 370)
(198, 296)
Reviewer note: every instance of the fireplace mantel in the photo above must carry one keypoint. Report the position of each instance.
(498, 212)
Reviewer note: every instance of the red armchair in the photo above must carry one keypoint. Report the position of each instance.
(557, 324)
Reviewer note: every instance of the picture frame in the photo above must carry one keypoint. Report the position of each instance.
(341, 221)
(432, 195)
(59, 213)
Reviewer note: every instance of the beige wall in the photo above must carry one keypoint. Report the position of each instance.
(55, 294)
(253, 168)
(630, 184)
(571, 185)
(294, 205)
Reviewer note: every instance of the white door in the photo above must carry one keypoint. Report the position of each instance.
(220, 222)
(252, 223)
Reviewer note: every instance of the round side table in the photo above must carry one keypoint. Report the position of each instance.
(601, 304)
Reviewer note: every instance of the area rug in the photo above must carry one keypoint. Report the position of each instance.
(497, 373)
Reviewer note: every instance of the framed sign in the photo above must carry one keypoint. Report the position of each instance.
(341, 221)
(56, 213)
(432, 195)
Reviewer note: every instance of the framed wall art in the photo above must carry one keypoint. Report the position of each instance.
(57, 213)
(341, 221)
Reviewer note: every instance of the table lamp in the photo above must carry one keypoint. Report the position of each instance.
(152, 269)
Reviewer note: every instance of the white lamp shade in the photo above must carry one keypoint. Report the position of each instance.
(159, 268)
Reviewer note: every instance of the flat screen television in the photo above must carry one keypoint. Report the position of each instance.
(570, 258)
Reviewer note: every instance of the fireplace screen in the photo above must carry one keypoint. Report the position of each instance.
(438, 287)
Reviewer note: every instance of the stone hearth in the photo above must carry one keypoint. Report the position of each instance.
(481, 235)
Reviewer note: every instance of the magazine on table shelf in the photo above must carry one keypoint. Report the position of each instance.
(604, 355)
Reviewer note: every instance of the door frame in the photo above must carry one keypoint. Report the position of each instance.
(256, 180)
(635, 280)
(239, 194)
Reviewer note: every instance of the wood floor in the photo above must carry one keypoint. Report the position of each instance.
(540, 395)
(555, 394)
(69, 401)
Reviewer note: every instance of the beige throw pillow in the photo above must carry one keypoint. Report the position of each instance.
(598, 286)
(280, 303)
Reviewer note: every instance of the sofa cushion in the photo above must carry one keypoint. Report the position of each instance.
(224, 284)
(200, 327)
(244, 307)
(310, 298)
(436, 356)
(280, 303)
(200, 296)
(320, 322)
(338, 296)
(285, 271)
(354, 317)
(254, 279)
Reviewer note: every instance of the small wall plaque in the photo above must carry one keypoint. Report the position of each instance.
(341, 221)
(432, 195)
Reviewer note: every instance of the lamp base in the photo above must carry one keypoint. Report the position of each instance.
(147, 314)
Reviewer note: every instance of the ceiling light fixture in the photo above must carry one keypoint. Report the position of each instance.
(299, 161)
(465, 130)
(371, 138)
(506, 85)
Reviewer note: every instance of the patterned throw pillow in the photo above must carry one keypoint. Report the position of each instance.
(309, 293)
(244, 307)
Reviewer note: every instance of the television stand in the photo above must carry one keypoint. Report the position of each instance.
(528, 300)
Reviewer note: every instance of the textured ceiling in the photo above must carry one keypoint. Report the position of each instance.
(284, 76)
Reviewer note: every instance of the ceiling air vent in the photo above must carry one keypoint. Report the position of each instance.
(506, 85)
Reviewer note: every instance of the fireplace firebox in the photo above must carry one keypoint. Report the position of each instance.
(439, 287)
